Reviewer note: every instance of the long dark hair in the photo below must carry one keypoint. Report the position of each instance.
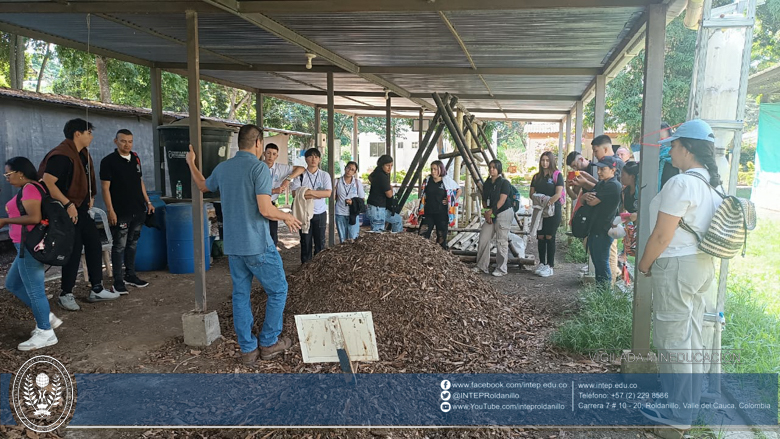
(499, 167)
(23, 165)
(704, 152)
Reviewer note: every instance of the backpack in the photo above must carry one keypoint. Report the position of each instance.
(582, 221)
(514, 195)
(555, 179)
(727, 232)
(50, 241)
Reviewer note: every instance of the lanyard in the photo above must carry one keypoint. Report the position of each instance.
(316, 177)
(348, 189)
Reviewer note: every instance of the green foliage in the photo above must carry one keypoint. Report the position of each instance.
(766, 36)
(576, 253)
(746, 177)
(517, 180)
(399, 175)
(603, 323)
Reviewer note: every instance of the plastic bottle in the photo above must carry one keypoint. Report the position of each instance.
(178, 190)
(722, 320)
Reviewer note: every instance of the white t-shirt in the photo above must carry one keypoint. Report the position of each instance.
(319, 181)
(279, 172)
(345, 191)
(689, 198)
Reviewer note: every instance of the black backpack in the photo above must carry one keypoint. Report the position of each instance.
(50, 241)
(582, 221)
(514, 195)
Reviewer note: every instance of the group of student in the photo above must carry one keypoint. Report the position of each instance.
(67, 175)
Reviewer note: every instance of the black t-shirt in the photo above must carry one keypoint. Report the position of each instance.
(491, 194)
(127, 195)
(592, 170)
(629, 200)
(380, 183)
(435, 193)
(608, 191)
(545, 185)
(61, 166)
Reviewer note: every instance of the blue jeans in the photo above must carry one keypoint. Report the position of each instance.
(25, 281)
(380, 215)
(267, 268)
(347, 232)
(599, 243)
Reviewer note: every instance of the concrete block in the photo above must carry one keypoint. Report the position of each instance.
(632, 363)
(200, 329)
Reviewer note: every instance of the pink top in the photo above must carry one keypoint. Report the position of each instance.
(29, 192)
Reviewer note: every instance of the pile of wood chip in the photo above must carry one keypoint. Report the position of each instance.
(431, 313)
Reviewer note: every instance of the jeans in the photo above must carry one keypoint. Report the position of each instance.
(314, 241)
(380, 215)
(267, 268)
(599, 243)
(125, 234)
(347, 232)
(25, 281)
(86, 236)
(439, 220)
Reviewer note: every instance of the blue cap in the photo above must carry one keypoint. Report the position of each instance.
(693, 129)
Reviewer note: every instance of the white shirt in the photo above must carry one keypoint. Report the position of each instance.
(279, 171)
(346, 191)
(318, 181)
(689, 198)
(450, 184)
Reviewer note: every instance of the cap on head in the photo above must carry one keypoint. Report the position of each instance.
(693, 129)
(607, 161)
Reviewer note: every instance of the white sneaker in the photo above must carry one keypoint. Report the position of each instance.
(478, 270)
(498, 273)
(547, 272)
(584, 268)
(40, 339)
(540, 269)
(54, 321)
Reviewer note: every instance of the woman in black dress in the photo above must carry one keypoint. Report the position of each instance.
(548, 181)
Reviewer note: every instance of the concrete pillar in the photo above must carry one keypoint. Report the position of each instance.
(600, 107)
(561, 150)
(157, 120)
(648, 174)
(568, 134)
(388, 128)
(331, 163)
(355, 145)
(193, 88)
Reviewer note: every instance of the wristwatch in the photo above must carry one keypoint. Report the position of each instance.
(289, 178)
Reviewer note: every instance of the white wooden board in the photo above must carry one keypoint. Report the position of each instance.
(317, 343)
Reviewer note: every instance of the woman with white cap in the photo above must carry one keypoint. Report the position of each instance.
(681, 273)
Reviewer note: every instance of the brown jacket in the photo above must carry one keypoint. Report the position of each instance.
(77, 191)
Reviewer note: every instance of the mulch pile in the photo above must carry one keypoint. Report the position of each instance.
(430, 312)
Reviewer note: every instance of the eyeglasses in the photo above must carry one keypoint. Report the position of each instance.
(8, 174)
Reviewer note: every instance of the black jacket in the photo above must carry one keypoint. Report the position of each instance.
(357, 207)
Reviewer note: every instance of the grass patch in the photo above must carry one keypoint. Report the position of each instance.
(603, 323)
(576, 253)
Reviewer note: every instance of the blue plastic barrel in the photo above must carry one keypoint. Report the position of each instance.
(151, 253)
(178, 233)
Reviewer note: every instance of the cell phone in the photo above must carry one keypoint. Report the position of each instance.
(570, 176)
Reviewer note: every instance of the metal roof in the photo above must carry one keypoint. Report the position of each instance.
(508, 59)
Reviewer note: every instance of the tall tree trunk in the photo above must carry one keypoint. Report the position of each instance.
(16, 61)
(235, 106)
(102, 71)
(45, 61)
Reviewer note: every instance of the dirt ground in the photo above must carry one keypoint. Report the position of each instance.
(142, 333)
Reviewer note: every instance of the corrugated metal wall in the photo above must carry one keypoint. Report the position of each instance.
(31, 129)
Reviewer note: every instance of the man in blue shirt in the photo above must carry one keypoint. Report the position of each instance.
(244, 184)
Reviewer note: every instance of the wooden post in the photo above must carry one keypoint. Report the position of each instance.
(355, 143)
(157, 120)
(561, 150)
(331, 164)
(648, 172)
(317, 128)
(600, 107)
(388, 128)
(193, 88)
(420, 146)
(578, 127)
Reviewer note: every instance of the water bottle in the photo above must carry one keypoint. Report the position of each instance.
(178, 190)
(722, 320)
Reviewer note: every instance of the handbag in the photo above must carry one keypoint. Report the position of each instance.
(728, 230)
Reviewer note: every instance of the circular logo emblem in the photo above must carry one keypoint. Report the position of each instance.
(42, 394)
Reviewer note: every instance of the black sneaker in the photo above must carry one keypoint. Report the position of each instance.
(135, 281)
(120, 288)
